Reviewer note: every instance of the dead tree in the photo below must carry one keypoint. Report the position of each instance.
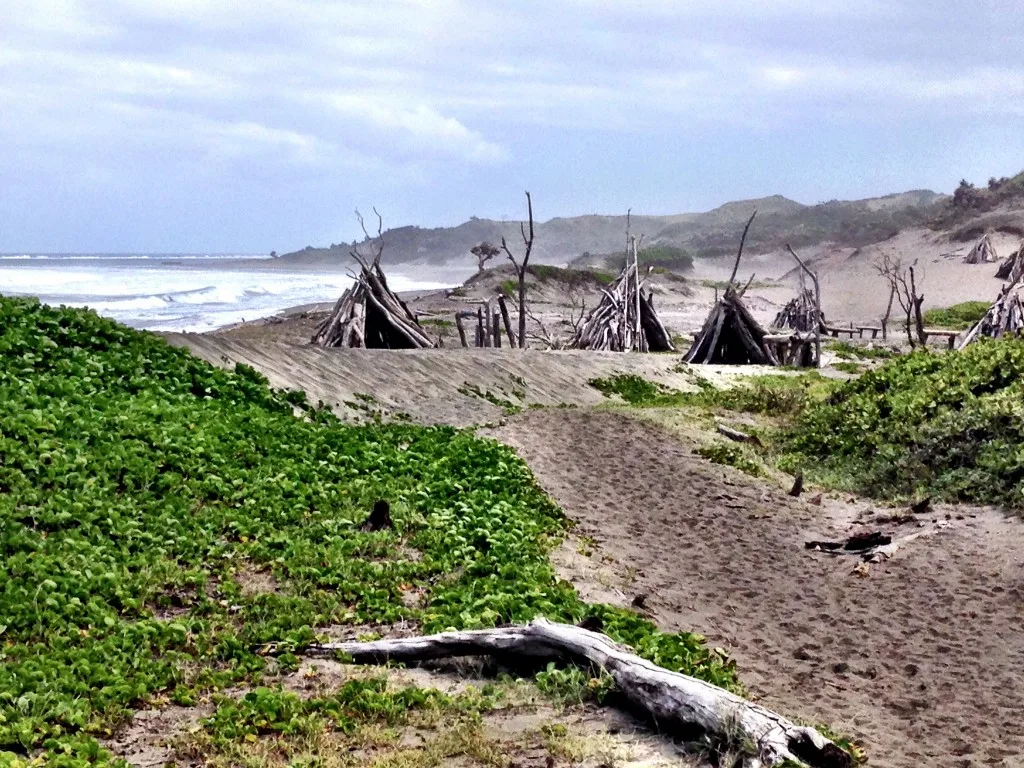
(903, 284)
(521, 265)
(484, 252)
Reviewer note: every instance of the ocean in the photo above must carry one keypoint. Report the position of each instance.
(182, 292)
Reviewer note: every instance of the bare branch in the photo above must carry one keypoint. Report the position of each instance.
(743, 239)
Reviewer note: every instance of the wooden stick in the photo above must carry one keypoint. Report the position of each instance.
(736, 266)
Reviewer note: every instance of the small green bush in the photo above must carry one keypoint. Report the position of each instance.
(957, 317)
(731, 455)
(847, 351)
(947, 424)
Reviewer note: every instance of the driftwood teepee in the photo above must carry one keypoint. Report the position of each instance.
(369, 314)
(1004, 318)
(799, 314)
(1013, 268)
(625, 320)
(984, 252)
(731, 335)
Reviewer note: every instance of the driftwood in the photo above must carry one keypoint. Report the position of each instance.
(624, 320)
(799, 314)
(370, 315)
(1013, 268)
(686, 705)
(982, 253)
(732, 336)
(735, 434)
(1004, 318)
(859, 543)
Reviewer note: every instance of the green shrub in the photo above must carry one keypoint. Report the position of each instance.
(847, 351)
(731, 455)
(957, 317)
(946, 424)
(848, 367)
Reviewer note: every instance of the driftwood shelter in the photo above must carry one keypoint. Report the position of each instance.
(732, 336)
(369, 314)
(1004, 318)
(625, 319)
(801, 314)
(983, 252)
(1013, 268)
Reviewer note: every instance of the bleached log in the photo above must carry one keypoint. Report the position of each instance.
(735, 434)
(676, 701)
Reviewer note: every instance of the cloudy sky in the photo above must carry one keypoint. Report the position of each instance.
(251, 125)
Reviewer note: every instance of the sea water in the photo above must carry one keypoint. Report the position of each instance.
(182, 292)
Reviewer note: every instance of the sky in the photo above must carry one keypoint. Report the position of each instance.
(259, 125)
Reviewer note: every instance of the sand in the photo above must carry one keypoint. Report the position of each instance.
(922, 659)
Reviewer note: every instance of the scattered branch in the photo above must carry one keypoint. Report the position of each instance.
(521, 266)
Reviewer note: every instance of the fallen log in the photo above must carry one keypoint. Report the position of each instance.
(683, 703)
(857, 544)
(735, 434)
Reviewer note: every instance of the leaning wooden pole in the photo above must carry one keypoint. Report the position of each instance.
(675, 701)
(739, 253)
(462, 329)
(506, 320)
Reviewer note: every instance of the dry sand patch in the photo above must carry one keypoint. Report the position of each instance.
(922, 659)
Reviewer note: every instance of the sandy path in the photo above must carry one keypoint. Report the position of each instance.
(922, 660)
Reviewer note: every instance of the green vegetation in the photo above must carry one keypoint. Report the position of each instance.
(723, 284)
(847, 366)
(958, 316)
(437, 322)
(969, 201)
(731, 455)
(844, 350)
(663, 257)
(139, 486)
(270, 727)
(948, 425)
(546, 273)
(772, 395)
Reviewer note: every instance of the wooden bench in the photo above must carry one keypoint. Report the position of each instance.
(874, 330)
(950, 336)
(834, 332)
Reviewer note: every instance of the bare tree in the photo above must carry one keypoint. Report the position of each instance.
(484, 252)
(521, 267)
(903, 285)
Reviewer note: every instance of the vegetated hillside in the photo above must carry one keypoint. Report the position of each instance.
(669, 257)
(981, 204)
(947, 425)
(141, 489)
(561, 240)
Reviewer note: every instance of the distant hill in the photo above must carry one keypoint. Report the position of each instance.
(563, 240)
